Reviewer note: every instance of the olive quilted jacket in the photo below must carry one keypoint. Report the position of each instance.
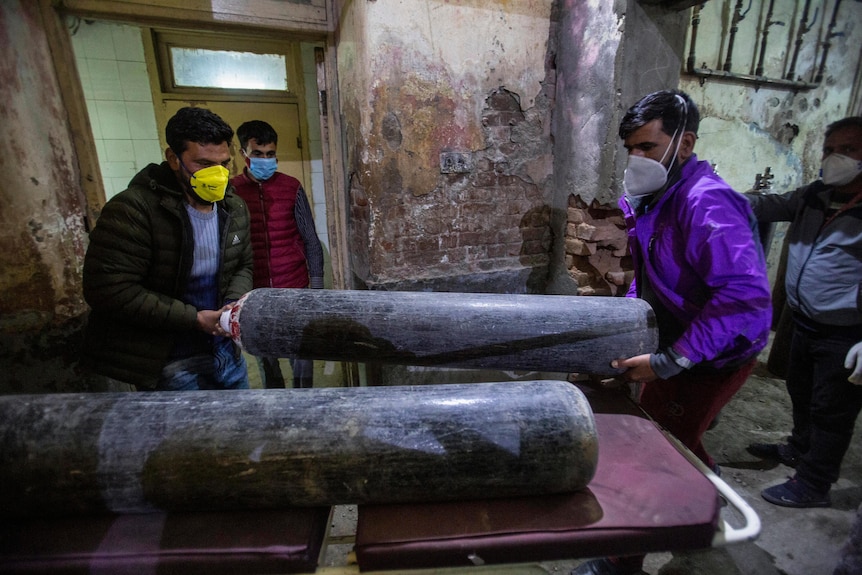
(135, 271)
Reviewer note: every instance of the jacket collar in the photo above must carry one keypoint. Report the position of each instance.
(679, 174)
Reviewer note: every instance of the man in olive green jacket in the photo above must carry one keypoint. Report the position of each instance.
(166, 257)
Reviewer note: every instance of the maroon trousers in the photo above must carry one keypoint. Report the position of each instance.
(686, 404)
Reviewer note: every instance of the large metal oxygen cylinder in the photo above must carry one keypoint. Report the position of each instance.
(550, 333)
(222, 450)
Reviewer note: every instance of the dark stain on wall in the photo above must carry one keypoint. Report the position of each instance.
(41, 307)
(392, 131)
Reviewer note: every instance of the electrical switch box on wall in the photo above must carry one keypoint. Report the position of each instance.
(456, 162)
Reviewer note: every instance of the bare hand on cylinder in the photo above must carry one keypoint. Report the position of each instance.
(638, 369)
(208, 321)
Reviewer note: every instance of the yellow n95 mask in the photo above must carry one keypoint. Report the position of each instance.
(209, 184)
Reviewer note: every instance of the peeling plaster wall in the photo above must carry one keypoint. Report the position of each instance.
(610, 54)
(41, 222)
(587, 98)
(42, 216)
(780, 128)
(421, 79)
(746, 129)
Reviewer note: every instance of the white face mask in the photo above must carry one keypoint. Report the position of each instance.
(838, 170)
(643, 176)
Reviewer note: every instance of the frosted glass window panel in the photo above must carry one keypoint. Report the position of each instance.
(201, 68)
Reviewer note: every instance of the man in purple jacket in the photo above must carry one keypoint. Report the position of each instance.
(699, 264)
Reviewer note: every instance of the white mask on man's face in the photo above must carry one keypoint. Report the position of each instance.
(839, 170)
(643, 176)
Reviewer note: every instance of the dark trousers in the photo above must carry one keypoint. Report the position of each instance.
(303, 372)
(825, 404)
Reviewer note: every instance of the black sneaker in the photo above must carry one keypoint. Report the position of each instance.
(781, 452)
(794, 493)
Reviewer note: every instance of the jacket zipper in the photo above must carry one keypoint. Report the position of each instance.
(263, 214)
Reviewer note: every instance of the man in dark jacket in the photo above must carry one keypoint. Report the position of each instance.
(166, 257)
(287, 251)
(823, 281)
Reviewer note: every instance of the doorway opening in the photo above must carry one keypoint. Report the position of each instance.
(135, 78)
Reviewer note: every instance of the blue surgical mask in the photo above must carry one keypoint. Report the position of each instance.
(262, 168)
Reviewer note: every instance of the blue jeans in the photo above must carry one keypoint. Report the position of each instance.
(222, 369)
(825, 404)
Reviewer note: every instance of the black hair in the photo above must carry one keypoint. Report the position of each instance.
(672, 107)
(848, 122)
(258, 130)
(197, 125)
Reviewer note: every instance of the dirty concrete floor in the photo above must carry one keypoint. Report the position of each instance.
(791, 541)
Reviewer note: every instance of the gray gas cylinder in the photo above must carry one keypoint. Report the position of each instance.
(547, 333)
(220, 450)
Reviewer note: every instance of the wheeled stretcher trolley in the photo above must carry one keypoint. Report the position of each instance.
(182, 494)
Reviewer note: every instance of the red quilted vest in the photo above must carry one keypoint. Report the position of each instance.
(279, 252)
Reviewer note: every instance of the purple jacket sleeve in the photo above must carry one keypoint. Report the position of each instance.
(734, 311)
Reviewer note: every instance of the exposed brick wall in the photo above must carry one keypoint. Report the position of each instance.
(596, 249)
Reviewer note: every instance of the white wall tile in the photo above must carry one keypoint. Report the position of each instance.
(147, 152)
(122, 170)
(95, 123)
(100, 149)
(96, 40)
(320, 217)
(134, 82)
(119, 151)
(113, 120)
(128, 43)
(117, 185)
(312, 103)
(84, 75)
(105, 77)
(317, 188)
(314, 130)
(142, 120)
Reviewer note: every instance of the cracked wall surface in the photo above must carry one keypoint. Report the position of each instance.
(428, 79)
(42, 219)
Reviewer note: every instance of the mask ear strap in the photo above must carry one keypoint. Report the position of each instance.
(682, 101)
(680, 129)
(183, 166)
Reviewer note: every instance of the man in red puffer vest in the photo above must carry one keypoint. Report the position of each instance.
(287, 251)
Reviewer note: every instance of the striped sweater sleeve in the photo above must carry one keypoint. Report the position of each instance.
(313, 248)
